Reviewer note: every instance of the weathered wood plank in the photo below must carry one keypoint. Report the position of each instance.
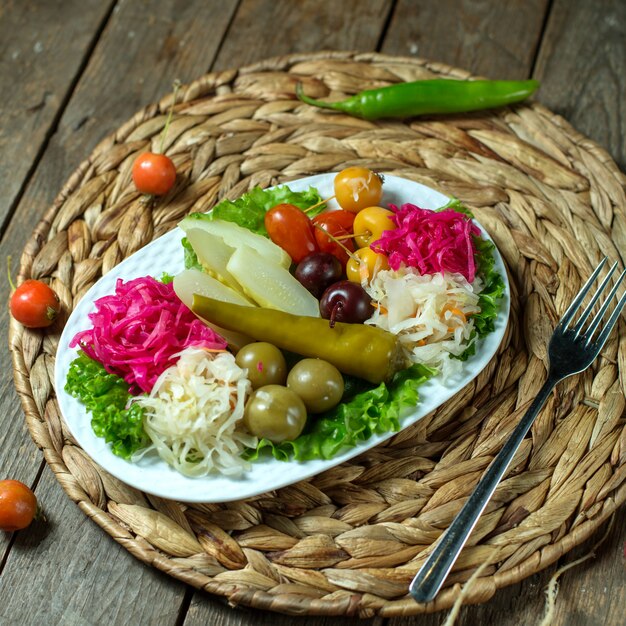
(69, 572)
(492, 39)
(42, 48)
(266, 28)
(116, 82)
(206, 610)
(595, 591)
(590, 593)
(581, 66)
(314, 25)
(54, 169)
(508, 607)
(496, 40)
(145, 47)
(20, 459)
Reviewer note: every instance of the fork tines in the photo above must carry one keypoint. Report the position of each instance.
(588, 333)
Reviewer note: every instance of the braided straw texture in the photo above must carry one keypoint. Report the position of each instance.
(348, 541)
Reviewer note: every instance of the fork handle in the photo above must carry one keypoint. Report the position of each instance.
(433, 573)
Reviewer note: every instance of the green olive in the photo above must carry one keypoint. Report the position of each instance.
(317, 382)
(275, 412)
(265, 364)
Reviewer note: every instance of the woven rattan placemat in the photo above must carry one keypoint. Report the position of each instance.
(350, 540)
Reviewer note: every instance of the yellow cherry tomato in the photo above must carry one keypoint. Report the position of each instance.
(370, 223)
(365, 264)
(357, 188)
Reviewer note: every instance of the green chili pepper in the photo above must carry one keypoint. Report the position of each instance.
(422, 97)
(363, 351)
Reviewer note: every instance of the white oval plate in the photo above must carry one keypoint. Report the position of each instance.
(154, 476)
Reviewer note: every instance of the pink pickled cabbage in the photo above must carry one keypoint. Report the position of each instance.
(138, 331)
(430, 241)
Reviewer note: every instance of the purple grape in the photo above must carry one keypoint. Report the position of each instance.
(346, 301)
(317, 271)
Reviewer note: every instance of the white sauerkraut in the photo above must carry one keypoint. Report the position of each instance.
(193, 413)
(429, 313)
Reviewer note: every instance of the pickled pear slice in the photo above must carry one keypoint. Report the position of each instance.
(235, 236)
(213, 254)
(271, 285)
(193, 281)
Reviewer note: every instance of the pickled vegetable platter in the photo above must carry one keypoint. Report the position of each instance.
(371, 371)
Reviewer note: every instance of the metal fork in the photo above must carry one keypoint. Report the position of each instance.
(571, 350)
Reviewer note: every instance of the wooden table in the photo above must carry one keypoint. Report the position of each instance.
(72, 71)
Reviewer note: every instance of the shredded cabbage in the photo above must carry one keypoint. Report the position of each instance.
(193, 411)
(138, 331)
(431, 314)
(430, 241)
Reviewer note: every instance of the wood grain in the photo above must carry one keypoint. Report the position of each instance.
(42, 48)
(105, 585)
(314, 25)
(595, 591)
(144, 47)
(207, 610)
(596, 108)
(115, 83)
(21, 460)
(581, 67)
(496, 40)
(512, 606)
(491, 39)
(265, 28)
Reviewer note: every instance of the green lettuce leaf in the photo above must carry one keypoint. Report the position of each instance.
(249, 210)
(492, 291)
(106, 397)
(456, 205)
(190, 256)
(370, 412)
(488, 298)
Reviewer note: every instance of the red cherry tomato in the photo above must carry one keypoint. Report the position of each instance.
(154, 174)
(326, 223)
(291, 229)
(343, 218)
(34, 304)
(18, 505)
